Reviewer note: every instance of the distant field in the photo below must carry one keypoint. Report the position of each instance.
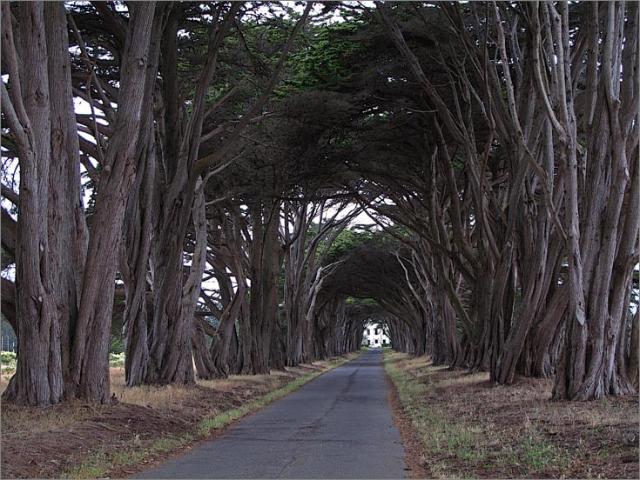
(8, 365)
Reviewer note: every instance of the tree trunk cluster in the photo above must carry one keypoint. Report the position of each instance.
(533, 243)
(65, 271)
(517, 231)
(150, 208)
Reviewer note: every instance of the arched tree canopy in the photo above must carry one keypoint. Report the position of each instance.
(250, 183)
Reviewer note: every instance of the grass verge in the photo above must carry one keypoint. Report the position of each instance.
(468, 427)
(104, 461)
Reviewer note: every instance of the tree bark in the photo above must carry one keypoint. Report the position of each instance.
(90, 357)
(38, 379)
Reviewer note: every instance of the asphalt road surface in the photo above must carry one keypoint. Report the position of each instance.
(336, 426)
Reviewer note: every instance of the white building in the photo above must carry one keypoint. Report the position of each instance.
(375, 336)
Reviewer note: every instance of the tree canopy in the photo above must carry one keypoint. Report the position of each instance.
(251, 182)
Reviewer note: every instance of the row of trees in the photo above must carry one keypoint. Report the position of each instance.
(522, 201)
(171, 147)
(204, 163)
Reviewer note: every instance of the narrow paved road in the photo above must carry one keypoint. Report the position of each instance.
(336, 426)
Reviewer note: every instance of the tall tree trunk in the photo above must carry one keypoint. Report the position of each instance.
(134, 256)
(170, 356)
(38, 379)
(91, 341)
(58, 301)
(170, 339)
(595, 313)
(634, 346)
(265, 269)
(221, 349)
(67, 227)
(225, 348)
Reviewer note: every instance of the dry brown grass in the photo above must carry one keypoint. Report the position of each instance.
(33, 420)
(89, 441)
(470, 427)
(4, 380)
(168, 396)
(240, 381)
(161, 397)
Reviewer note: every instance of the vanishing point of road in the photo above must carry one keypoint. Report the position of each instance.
(336, 426)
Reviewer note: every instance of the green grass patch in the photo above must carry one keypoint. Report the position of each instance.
(99, 463)
(537, 454)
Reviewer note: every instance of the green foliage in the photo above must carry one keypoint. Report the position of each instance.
(368, 302)
(324, 61)
(346, 242)
(350, 240)
(8, 362)
(245, 61)
(116, 359)
(117, 344)
(6, 256)
(7, 358)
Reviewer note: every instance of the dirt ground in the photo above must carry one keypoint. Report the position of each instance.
(52, 442)
(469, 427)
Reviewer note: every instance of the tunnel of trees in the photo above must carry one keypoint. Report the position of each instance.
(240, 186)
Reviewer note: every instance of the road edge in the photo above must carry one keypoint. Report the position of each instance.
(408, 434)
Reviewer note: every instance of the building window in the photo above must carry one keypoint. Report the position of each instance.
(376, 341)
(368, 331)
